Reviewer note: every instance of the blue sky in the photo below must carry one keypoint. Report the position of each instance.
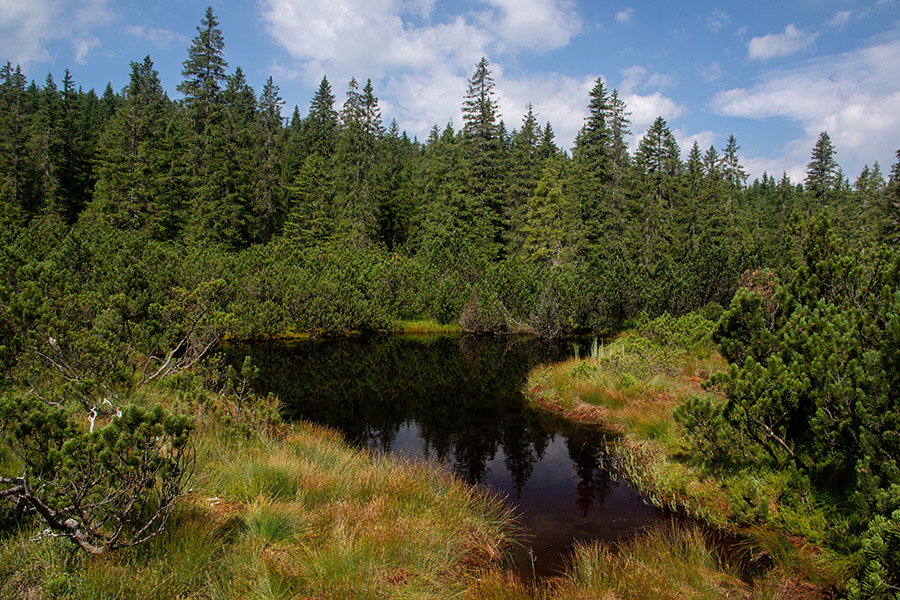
(774, 74)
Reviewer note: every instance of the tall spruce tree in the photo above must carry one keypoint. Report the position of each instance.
(734, 175)
(822, 172)
(268, 194)
(133, 190)
(204, 71)
(592, 170)
(548, 219)
(356, 201)
(322, 122)
(660, 167)
(481, 133)
(14, 133)
(522, 175)
(890, 212)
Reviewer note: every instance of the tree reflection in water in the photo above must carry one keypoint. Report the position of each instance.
(457, 400)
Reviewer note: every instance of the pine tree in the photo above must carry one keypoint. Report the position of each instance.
(822, 172)
(545, 232)
(660, 166)
(132, 164)
(734, 174)
(268, 206)
(322, 122)
(204, 70)
(481, 132)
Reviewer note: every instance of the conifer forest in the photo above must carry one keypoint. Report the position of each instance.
(138, 232)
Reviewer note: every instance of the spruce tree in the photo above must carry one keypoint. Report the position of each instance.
(734, 174)
(890, 212)
(204, 70)
(133, 190)
(322, 122)
(356, 208)
(547, 226)
(14, 133)
(481, 133)
(592, 171)
(268, 205)
(309, 221)
(660, 166)
(522, 175)
(822, 171)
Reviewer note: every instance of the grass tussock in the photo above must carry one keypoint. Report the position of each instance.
(631, 386)
(284, 512)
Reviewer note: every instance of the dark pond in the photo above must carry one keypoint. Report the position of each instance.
(457, 400)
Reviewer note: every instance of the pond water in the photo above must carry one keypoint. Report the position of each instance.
(457, 401)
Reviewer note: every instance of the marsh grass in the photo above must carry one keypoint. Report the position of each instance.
(666, 563)
(620, 389)
(290, 512)
(428, 326)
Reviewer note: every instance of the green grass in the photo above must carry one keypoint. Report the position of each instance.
(623, 388)
(428, 326)
(293, 513)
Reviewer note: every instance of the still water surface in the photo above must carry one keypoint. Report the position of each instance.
(457, 400)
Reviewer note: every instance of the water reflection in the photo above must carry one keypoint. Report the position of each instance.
(457, 400)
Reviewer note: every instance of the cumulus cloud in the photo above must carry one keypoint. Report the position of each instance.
(372, 35)
(704, 139)
(534, 24)
(624, 15)
(780, 44)
(27, 26)
(421, 68)
(852, 95)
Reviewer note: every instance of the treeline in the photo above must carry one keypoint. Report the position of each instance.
(336, 221)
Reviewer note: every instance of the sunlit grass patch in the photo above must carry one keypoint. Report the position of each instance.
(665, 563)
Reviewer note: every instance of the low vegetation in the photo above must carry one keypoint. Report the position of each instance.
(792, 441)
(275, 511)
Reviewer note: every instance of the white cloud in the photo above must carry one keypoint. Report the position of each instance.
(717, 20)
(535, 24)
(559, 99)
(645, 109)
(83, 47)
(27, 26)
(853, 96)
(840, 19)
(624, 15)
(704, 139)
(162, 38)
(420, 69)
(780, 44)
(712, 72)
(661, 81)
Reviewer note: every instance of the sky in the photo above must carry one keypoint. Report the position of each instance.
(773, 74)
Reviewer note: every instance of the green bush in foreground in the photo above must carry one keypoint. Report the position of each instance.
(814, 384)
(106, 489)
